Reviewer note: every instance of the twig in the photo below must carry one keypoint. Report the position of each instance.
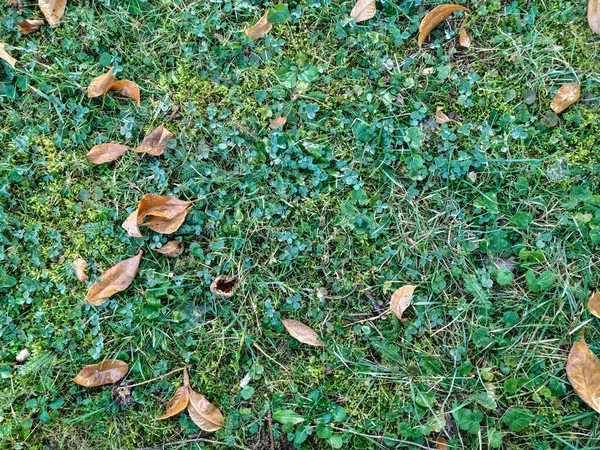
(275, 361)
(374, 304)
(190, 441)
(153, 379)
(384, 313)
(270, 423)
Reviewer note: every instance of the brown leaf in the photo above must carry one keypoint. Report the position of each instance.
(204, 414)
(30, 25)
(156, 142)
(594, 304)
(178, 403)
(53, 10)
(127, 89)
(593, 15)
(302, 333)
(171, 248)
(279, 122)
(130, 225)
(100, 85)
(166, 226)
(436, 16)
(463, 36)
(401, 299)
(116, 279)
(6, 56)
(363, 10)
(260, 28)
(160, 206)
(440, 117)
(103, 153)
(224, 286)
(567, 95)
(441, 443)
(79, 267)
(583, 371)
(108, 371)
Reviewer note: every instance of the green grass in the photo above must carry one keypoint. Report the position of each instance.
(354, 198)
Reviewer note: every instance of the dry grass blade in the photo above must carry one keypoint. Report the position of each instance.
(567, 95)
(53, 10)
(593, 15)
(156, 142)
(171, 248)
(583, 371)
(79, 267)
(6, 56)
(130, 225)
(127, 89)
(30, 25)
(116, 279)
(204, 414)
(363, 10)
(103, 153)
(594, 304)
(302, 333)
(107, 372)
(100, 85)
(401, 300)
(434, 17)
(440, 117)
(260, 28)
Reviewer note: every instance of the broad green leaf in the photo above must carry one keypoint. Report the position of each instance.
(288, 417)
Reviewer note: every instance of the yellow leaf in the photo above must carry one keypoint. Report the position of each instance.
(29, 25)
(171, 248)
(279, 122)
(103, 153)
(401, 300)
(127, 89)
(53, 10)
(302, 333)
(224, 286)
(434, 17)
(116, 279)
(130, 225)
(363, 10)
(594, 304)
(79, 267)
(6, 56)
(260, 28)
(440, 117)
(109, 371)
(567, 95)
(204, 414)
(583, 371)
(593, 15)
(156, 142)
(100, 85)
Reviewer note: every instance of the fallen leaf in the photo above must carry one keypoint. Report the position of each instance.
(567, 95)
(116, 279)
(594, 304)
(260, 28)
(108, 371)
(279, 122)
(180, 400)
(30, 25)
(434, 17)
(100, 85)
(593, 15)
(127, 89)
(401, 299)
(302, 333)
(171, 248)
(156, 142)
(224, 286)
(363, 10)
(440, 117)
(6, 56)
(204, 414)
(53, 10)
(441, 443)
(130, 225)
(463, 38)
(583, 371)
(79, 267)
(166, 226)
(103, 153)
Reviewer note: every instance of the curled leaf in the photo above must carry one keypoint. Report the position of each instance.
(100, 85)
(131, 226)
(567, 95)
(127, 89)
(171, 248)
(224, 286)
(260, 28)
(436, 16)
(279, 122)
(440, 117)
(53, 10)
(30, 25)
(108, 371)
(116, 279)
(178, 403)
(302, 333)
(156, 142)
(594, 304)
(401, 300)
(166, 225)
(593, 15)
(6, 56)
(583, 371)
(363, 10)
(79, 267)
(204, 414)
(103, 153)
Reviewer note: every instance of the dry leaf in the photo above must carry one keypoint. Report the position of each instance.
(583, 371)
(166, 213)
(302, 333)
(434, 17)
(171, 248)
(116, 279)
(180, 400)
(204, 414)
(463, 38)
(79, 267)
(440, 117)
(363, 10)
(156, 142)
(6, 56)
(260, 28)
(109, 371)
(103, 153)
(166, 226)
(100, 85)
(127, 89)
(130, 225)
(593, 15)
(594, 304)
(567, 95)
(279, 122)
(224, 286)
(53, 10)
(401, 299)
(441, 443)
(30, 25)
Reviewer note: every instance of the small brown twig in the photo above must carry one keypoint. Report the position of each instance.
(270, 423)
(153, 379)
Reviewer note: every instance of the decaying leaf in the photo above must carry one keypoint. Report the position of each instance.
(130, 225)
(463, 36)
(116, 279)
(103, 153)
(567, 95)
(363, 10)
(6, 56)
(53, 10)
(279, 122)
(593, 15)
(440, 117)
(100, 85)
(224, 286)
(204, 414)
(583, 371)
(180, 400)
(166, 213)
(121, 395)
(79, 267)
(436, 16)
(171, 248)
(127, 89)
(108, 371)
(401, 299)
(30, 25)
(594, 304)
(156, 142)
(302, 333)
(260, 28)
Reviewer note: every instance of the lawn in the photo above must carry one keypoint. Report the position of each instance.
(494, 216)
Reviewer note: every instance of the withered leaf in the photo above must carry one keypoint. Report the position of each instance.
(79, 267)
(166, 225)
(100, 85)
(594, 304)
(109, 371)
(583, 371)
(440, 117)
(171, 248)
(130, 225)
(567, 95)
(116, 279)
(401, 299)
(30, 25)
(103, 153)
(436, 16)
(127, 89)
(204, 414)
(279, 122)
(441, 443)
(363, 10)
(156, 142)
(302, 333)
(463, 36)
(593, 15)
(260, 28)
(53, 10)
(180, 400)
(161, 206)
(6, 56)
(224, 286)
